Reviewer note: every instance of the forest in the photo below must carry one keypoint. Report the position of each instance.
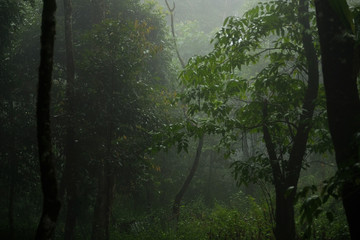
(180, 119)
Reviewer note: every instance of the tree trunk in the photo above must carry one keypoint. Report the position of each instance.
(171, 11)
(284, 209)
(179, 196)
(284, 214)
(51, 204)
(286, 174)
(340, 64)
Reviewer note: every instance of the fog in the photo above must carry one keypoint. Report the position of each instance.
(179, 119)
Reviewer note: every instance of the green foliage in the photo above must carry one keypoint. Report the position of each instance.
(319, 209)
(218, 88)
(123, 107)
(255, 169)
(198, 222)
(232, 224)
(191, 40)
(122, 68)
(12, 16)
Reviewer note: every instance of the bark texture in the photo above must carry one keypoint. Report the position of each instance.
(340, 63)
(51, 204)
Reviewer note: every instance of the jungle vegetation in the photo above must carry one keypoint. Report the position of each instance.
(183, 120)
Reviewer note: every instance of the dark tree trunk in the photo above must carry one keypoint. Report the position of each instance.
(340, 63)
(71, 160)
(284, 209)
(179, 196)
(286, 173)
(284, 214)
(51, 204)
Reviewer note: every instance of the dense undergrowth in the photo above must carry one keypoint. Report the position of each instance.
(243, 218)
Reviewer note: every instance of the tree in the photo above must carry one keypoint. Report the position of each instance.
(278, 102)
(140, 61)
(51, 204)
(340, 54)
(184, 187)
(179, 196)
(18, 134)
(122, 59)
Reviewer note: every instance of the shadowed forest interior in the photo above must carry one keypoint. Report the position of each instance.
(179, 119)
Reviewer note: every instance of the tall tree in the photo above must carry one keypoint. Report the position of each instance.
(51, 203)
(278, 102)
(340, 54)
(287, 175)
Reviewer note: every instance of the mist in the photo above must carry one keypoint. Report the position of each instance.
(179, 119)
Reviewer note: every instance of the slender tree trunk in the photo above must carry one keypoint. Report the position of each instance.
(340, 63)
(179, 196)
(171, 11)
(51, 204)
(284, 208)
(287, 173)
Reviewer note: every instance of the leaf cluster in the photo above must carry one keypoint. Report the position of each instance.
(218, 85)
